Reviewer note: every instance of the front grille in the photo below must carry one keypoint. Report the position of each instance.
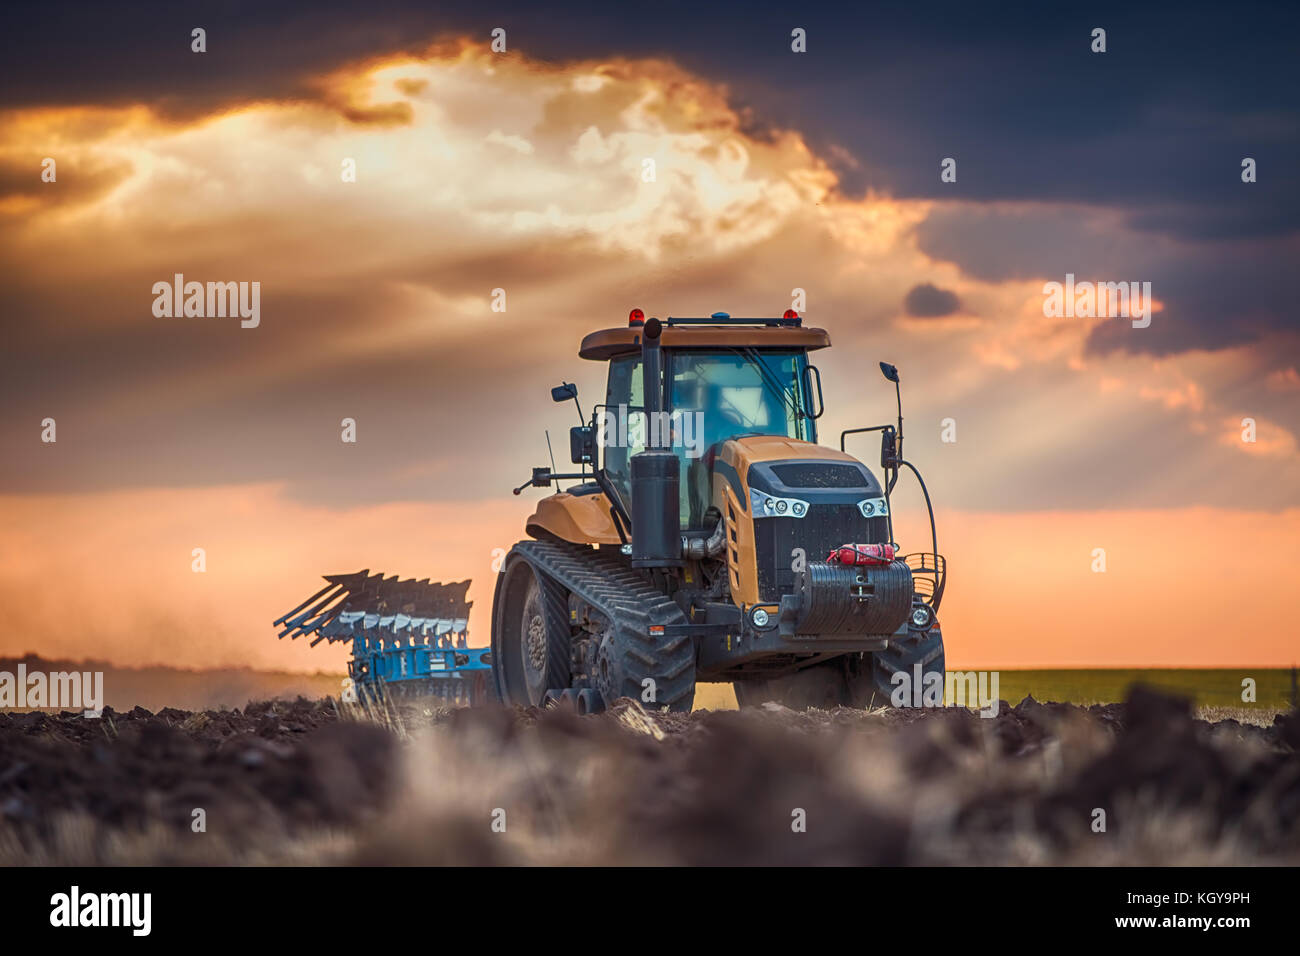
(824, 528)
(809, 474)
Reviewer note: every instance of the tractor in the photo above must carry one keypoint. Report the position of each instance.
(706, 536)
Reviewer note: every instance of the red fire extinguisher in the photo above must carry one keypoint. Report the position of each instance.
(862, 554)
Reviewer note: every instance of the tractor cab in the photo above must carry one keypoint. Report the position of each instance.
(722, 378)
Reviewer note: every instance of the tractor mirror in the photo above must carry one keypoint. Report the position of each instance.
(582, 445)
(888, 447)
(889, 371)
(562, 393)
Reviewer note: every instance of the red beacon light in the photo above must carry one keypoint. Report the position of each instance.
(790, 314)
(636, 317)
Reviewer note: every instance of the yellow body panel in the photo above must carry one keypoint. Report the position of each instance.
(582, 519)
(741, 564)
(753, 448)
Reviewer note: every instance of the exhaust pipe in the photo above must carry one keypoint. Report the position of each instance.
(697, 547)
(656, 472)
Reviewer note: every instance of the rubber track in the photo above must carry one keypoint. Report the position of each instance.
(632, 604)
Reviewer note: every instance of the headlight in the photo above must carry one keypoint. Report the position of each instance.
(770, 506)
(921, 617)
(873, 507)
(760, 617)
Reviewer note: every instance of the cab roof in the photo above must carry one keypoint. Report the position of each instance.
(677, 333)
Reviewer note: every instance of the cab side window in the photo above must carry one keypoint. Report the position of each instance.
(620, 433)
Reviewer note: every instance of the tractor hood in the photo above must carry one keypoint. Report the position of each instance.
(775, 462)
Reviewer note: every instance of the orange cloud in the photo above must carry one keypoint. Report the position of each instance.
(1257, 437)
(1284, 380)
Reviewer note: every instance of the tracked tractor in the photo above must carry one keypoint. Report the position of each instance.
(706, 535)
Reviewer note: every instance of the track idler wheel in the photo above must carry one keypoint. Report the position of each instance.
(530, 636)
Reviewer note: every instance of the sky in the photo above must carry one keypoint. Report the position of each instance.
(524, 170)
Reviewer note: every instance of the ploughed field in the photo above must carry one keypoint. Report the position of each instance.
(1143, 782)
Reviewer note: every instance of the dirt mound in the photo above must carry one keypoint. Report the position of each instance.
(1139, 782)
(294, 764)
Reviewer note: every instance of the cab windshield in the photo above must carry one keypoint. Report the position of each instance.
(739, 392)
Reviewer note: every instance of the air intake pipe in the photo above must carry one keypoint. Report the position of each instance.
(656, 472)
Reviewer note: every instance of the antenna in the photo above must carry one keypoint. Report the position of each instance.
(552, 454)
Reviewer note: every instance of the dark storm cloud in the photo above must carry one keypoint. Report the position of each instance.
(81, 182)
(928, 301)
(1217, 294)
(1122, 166)
(1013, 92)
(1154, 129)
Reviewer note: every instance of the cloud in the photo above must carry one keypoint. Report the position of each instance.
(929, 301)
(1260, 438)
(1284, 379)
(1217, 295)
(1155, 128)
(476, 172)
(376, 294)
